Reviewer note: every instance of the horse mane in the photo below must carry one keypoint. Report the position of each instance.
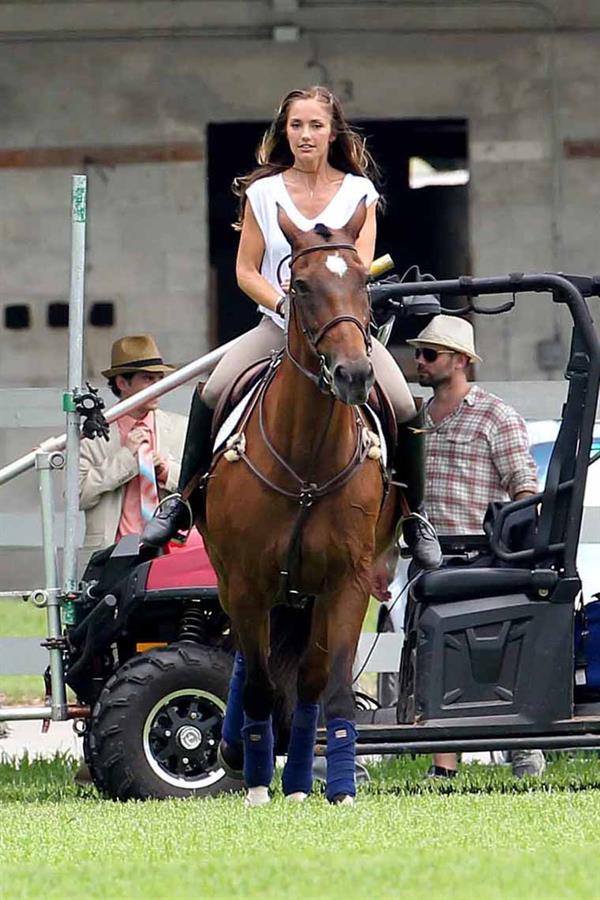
(323, 231)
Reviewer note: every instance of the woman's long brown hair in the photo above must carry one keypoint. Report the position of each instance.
(347, 152)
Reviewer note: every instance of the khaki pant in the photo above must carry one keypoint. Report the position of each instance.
(267, 336)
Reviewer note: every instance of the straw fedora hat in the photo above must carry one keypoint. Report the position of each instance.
(136, 353)
(451, 332)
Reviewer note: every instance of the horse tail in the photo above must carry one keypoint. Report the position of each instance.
(290, 629)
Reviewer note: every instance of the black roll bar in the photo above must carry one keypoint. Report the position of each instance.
(582, 370)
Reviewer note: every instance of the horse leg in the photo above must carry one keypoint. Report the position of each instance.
(252, 626)
(231, 750)
(346, 613)
(312, 678)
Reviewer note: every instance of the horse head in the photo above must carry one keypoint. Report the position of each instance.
(329, 307)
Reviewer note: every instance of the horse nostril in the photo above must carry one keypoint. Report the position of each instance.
(343, 374)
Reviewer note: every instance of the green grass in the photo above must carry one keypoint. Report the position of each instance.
(20, 619)
(482, 836)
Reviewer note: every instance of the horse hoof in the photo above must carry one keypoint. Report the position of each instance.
(343, 800)
(257, 796)
(296, 797)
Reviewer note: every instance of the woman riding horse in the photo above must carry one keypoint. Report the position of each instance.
(313, 166)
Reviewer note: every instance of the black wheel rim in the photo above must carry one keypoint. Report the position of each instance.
(181, 736)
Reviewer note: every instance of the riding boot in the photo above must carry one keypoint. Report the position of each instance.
(178, 512)
(409, 468)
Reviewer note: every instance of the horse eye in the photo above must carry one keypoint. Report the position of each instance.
(300, 286)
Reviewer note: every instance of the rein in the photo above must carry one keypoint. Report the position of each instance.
(324, 379)
(306, 492)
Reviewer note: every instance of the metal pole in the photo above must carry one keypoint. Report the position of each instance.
(201, 366)
(75, 382)
(24, 713)
(45, 464)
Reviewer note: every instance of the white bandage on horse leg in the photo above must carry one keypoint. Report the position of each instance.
(257, 796)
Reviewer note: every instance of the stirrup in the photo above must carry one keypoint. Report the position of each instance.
(182, 535)
(422, 519)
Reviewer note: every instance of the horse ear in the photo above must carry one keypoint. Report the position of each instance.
(353, 226)
(290, 230)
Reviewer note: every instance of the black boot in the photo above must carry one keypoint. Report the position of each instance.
(409, 468)
(177, 515)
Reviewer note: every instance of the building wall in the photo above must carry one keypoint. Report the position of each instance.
(123, 73)
(523, 89)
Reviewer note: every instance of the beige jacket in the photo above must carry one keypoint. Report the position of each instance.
(105, 467)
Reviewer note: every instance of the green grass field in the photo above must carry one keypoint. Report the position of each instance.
(19, 619)
(482, 836)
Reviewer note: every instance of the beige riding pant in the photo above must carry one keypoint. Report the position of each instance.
(267, 336)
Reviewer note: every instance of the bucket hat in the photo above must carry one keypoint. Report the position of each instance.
(136, 353)
(451, 332)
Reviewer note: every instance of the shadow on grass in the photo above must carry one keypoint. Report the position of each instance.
(38, 780)
(52, 780)
(566, 771)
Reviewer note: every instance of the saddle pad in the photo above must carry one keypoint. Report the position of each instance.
(229, 425)
(234, 417)
(375, 421)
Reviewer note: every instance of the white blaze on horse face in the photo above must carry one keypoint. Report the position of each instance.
(336, 264)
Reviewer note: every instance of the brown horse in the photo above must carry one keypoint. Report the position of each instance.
(298, 507)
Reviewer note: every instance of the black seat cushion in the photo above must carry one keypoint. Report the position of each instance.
(472, 582)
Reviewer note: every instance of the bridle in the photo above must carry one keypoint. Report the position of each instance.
(324, 378)
(304, 491)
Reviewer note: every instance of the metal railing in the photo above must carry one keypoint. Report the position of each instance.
(58, 594)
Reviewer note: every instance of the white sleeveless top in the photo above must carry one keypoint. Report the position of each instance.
(266, 193)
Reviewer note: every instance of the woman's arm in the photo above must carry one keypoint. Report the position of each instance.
(365, 242)
(249, 258)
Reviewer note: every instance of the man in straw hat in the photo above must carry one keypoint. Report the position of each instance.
(477, 451)
(121, 480)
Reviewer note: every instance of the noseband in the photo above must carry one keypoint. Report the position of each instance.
(324, 380)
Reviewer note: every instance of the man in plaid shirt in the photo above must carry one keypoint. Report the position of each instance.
(477, 452)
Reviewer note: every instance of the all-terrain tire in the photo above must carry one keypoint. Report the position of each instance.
(156, 726)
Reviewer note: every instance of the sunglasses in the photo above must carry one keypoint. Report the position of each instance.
(429, 354)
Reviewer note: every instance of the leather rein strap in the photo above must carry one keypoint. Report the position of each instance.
(306, 492)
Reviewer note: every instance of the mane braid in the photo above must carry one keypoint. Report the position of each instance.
(323, 231)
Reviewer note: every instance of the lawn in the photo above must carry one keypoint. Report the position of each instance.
(20, 619)
(484, 836)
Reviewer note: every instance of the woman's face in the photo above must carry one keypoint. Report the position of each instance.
(309, 132)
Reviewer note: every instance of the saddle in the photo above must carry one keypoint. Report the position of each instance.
(237, 390)
(378, 411)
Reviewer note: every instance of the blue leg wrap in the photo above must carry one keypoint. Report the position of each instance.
(297, 772)
(234, 714)
(259, 761)
(341, 751)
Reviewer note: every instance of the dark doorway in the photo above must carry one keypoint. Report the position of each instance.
(425, 220)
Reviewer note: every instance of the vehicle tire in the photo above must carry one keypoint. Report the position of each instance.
(89, 762)
(388, 683)
(156, 726)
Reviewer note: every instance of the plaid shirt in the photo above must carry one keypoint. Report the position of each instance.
(477, 454)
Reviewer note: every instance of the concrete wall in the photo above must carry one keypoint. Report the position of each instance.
(146, 73)
(126, 73)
